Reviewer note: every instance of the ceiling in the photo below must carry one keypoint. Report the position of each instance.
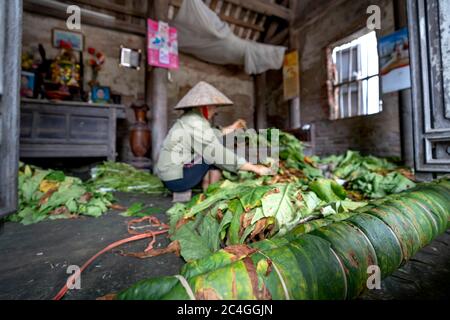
(265, 21)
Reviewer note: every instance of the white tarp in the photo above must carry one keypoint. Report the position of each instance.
(202, 34)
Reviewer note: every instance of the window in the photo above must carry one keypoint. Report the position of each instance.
(353, 81)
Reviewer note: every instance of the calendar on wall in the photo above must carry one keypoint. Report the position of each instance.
(162, 45)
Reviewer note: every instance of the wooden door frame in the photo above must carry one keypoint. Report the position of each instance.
(428, 85)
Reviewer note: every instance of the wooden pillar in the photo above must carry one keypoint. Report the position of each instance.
(294, 113)
(156, 87)
(294, 104)
(260, 101)
(10, 49)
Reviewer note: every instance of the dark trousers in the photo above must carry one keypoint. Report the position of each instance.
(193, 174)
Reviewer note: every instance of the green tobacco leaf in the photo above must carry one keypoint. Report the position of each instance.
(63, 195)
(56, 176)
(31, 185)
(279, 205)
(227, 192)
(208, 229)
(125, 178)
(30, 216)
(134, 209)
(224, 224)
(193, 246)
(93, 211)
(175, 214)
(251, 198)
(72, 206)
(235, 226)
(328, 190)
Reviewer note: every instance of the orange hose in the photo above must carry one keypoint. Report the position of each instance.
(138, 236)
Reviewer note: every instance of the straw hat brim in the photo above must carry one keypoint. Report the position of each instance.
(203, 94)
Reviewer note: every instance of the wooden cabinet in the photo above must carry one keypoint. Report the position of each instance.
(68, 129)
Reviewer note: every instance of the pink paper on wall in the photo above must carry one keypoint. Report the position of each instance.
(162, 48)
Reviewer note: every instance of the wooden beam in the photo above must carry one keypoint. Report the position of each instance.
(241, 23)
(273, 27)
(295, 121)
(227, 18)
(279, 38)
(260, 6)
(88, 17)
(265, 7)
(111, 6)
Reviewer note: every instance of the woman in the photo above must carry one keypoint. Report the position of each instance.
(192, 152)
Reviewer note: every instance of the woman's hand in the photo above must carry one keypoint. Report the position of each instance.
(260, 170)
(238, 124)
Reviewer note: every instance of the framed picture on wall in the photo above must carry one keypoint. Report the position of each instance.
(101, 94)
(27, 81)
(76, 39)
(130, 58)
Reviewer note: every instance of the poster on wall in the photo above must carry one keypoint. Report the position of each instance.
(162, 45)
(394, 61)
(291, 76)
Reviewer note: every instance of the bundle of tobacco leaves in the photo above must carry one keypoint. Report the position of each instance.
(324, 259)
(233, 213)
(369, 176)
(49, 194)
(116, 176)
(293, 165)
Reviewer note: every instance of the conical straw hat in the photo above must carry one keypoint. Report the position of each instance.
(203, 94)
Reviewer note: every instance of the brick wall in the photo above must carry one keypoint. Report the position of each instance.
(130, 83)
(377, 134)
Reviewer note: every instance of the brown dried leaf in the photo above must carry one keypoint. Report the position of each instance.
(207, 294)
(46, 196)
(117, 207)
(259, 227)
(239, 251)
(59, 211)
(85, 197)
(173, 247)
(108, 297)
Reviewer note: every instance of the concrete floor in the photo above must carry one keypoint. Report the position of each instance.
(34, 260)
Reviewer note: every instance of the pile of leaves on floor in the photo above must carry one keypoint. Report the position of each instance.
(50, 194)
(368, 176)
(233, 213)
(116, 176)
(244, 208)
